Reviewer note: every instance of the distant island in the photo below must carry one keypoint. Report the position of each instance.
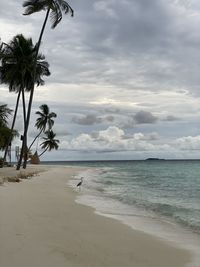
(154, 159)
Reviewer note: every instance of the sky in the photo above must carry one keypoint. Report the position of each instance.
(125, 78)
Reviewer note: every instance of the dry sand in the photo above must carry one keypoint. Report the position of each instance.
(42, 225)
(9, 174)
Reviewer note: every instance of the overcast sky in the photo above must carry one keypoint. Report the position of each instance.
(125, 77)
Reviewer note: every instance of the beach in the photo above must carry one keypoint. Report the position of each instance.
(42, 225)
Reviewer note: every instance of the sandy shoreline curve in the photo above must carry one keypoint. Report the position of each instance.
(42, 225)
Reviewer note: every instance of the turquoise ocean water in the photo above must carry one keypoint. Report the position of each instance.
(158, 197)
(168, 189)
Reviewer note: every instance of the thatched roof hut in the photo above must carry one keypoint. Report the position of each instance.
(35, 159)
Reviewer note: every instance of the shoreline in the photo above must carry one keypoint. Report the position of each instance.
(158, 227)
(41, 220)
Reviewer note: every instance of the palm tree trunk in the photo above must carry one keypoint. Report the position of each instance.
(24, 114)
(32, 92)
(12, 126)
(24, 106)
(43, 152)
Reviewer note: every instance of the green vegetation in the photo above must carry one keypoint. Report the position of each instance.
(54, 9)
(44, 121)
(22, 66)
(17, 66)
(49, 142)
(6, 135)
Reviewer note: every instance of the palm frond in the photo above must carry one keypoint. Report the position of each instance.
(66, 7)
(33, 6)
(18, 64)
(5, 112)
(55, 6)
(49, 141)
(55, 15)
(45, 118)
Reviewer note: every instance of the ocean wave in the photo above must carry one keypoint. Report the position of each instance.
(158, 188)
(109, 182)
(179, 214)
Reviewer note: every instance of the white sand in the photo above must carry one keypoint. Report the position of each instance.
(41, 225)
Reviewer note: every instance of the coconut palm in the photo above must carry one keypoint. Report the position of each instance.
(49, 142)
(44, 121)
(5, 132)
(54, 9)
(17, 67)
(18, 58)
(4, 114)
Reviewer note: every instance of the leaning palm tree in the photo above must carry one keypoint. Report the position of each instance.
(44, 121)
(49, 142)
(54, 9)
(17, 67)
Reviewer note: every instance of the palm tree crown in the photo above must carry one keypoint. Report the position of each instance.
(5, 132)
(18, 62)
(49, 142)
(55, 6)
(45, 118)
(4, 113)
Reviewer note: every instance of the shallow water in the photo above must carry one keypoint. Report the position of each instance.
(158, 197)
(167, 188)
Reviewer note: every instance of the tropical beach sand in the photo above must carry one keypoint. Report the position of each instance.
(42, 225)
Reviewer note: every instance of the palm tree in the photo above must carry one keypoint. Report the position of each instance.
(17, 67)
(5, 132)
(44, 121)
(49, 142)
(4, 114)
(54, 9)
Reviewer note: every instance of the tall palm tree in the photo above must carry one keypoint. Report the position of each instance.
(54, 9)
(17, 67)
(44, 121)
(49, 142)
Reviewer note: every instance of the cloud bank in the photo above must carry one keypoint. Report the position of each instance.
(125, 76)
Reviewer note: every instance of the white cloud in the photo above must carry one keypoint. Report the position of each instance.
(188, 143)
(112, 134)
(113, 60)
(113, 139)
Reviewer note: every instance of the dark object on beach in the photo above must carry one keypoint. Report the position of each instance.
(80, 183)
(35, 158)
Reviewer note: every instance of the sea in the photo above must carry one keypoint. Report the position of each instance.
(159, 197)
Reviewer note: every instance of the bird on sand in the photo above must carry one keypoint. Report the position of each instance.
(80, 183)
